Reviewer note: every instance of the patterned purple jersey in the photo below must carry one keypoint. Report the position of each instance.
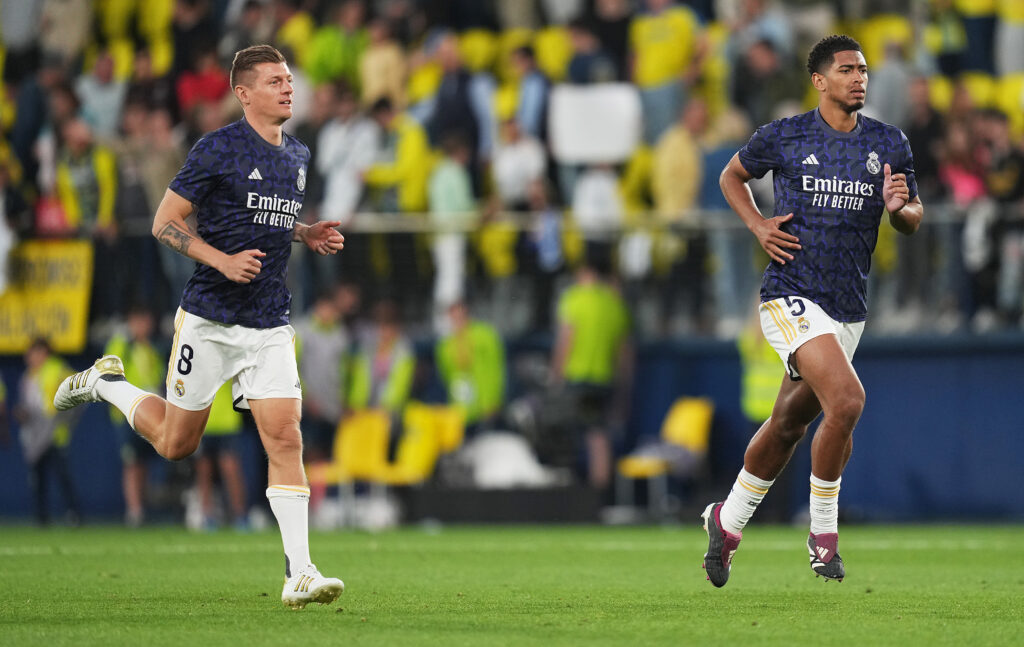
(832, 183)
(248, 193)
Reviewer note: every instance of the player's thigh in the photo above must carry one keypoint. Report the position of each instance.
(278, 421)
(796, 406)
(827, 370)
(183, 429)
(203, 357)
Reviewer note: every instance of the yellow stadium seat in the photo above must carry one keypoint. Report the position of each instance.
(981, 87)
(1010, 99)
(877, 32)
(940, 92)
(509, 41)
(424, 82)
(478, 48)
(688, 426)
(553, 49)
(360, 448)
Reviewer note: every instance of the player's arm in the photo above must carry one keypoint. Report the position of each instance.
(733, 181)
(905, 213)
(170, 228)
(321, 237)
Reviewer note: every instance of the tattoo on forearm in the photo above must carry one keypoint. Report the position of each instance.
(176, 237)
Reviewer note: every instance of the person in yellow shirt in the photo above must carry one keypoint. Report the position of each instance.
(471, 362)
(44, 432)
(593, 359)
(667, 45)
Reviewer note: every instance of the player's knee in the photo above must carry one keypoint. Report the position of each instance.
(286, 439)
(176, 449)
(790, 431)
(847, 408)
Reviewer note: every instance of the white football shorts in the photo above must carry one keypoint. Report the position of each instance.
(260, 362)
(790, 322)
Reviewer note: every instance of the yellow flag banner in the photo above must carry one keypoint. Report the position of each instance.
(48, 296)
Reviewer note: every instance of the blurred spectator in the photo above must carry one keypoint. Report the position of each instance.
(146, 87)
(167, 155)
(398, 183)
(471, 362)
(323, 344)
(383, 66)
(44, 432)
(589, 63)
(519, 162)
(889, 100)
(667, 44)
(947, 38)
(192, 29)
(87, 189)
(598, 211)
(452, 207)
(754, 21)
(677, 175)
(611, 20)
(19, 32)
(532, 111)
(548, 261)
(133, 207)
(383, 365)
(294, 28)
(592, 359)
(979, 23)
(221, 443)
(1003, 164)
(145, 366)
(763, 81)
(346, 147)
(32, 115)
(454, 110)
(337, 47)
(561, 12)
(102, 96)
(65, 28)
(15, 219)
(204, 82)
(251, 27)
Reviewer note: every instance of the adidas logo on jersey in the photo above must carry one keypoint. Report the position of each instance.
(255, 175)
(811, 159)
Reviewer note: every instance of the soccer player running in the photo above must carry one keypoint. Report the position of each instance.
(835, 171)
(245, 184)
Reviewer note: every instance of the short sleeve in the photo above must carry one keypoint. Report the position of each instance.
(761, 153)
(907, 165)
(200, 173)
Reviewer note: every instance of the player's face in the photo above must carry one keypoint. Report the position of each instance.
(271, 92)
(846, 80)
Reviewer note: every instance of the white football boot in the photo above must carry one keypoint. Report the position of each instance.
(81, 387)
(308, 585)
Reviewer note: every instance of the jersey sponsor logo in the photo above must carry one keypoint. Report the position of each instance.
(255, 175)
(811, 159)
(873, 165)
(273, 210)
(837, 193)
(301, 181)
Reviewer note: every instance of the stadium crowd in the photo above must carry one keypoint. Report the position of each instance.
(433, 115)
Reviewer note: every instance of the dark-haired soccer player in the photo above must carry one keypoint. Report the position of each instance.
(835, 172)
(245, 184)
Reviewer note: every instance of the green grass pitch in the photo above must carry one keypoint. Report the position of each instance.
(912, 585)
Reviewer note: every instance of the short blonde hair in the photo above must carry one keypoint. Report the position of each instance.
(247, 59)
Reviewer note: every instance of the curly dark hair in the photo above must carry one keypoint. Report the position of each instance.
(824, 53)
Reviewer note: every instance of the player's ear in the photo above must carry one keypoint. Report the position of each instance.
(818, 81)
(242, 94)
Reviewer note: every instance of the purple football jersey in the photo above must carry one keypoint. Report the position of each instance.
(247, 194)
(832, 183)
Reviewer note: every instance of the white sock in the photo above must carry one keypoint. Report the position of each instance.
(824, 505)
(123, 395)
(290, 504)
(743, 499)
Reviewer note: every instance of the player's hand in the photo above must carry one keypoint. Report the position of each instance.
(774, 240)
(323, 238)
(243, 266)
(895, 191)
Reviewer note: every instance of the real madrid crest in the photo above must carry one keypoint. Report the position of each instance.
(803, 325)
(179, 388)
(873, 165)
(301, 181)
